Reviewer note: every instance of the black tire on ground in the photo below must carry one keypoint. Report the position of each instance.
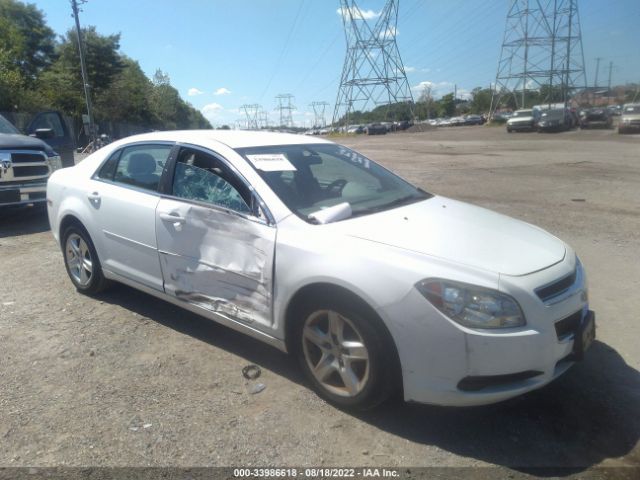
(96, 282)
(384, 377)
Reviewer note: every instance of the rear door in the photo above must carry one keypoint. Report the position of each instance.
(124, 195)
(216, 246)
(61, 139)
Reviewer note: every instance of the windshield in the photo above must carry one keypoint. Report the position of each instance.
(632, 109)
(6, 126)
(523, 113)
(309, 178)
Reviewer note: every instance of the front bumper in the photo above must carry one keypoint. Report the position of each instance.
(444, 363)
(521, 127)
(23, 194)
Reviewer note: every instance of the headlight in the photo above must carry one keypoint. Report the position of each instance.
(55, 162)
(472, 306)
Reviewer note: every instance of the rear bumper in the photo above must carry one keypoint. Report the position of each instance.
(16, 194)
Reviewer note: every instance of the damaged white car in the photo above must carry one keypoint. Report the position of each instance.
(376, 286)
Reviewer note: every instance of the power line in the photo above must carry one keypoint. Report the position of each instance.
(284, 50)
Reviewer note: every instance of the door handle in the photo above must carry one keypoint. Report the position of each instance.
(93, 196)
(172, 218)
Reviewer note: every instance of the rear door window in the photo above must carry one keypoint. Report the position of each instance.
(141, 166)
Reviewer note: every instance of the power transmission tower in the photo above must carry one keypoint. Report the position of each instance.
(373, 73)
(83, 69)
(319, 120)
(251, 111)
(541, 54)
(263, 119)
(286, 108)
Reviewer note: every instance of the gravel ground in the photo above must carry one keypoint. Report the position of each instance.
(127, 380)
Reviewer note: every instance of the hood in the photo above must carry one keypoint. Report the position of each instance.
(461, 233)
(630, 116)
(22, 142)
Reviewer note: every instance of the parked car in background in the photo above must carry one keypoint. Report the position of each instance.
(457, 121)
(372, 284)
(595, 118)
(556, 120)
(375, 129)
(357, 129)
(615, 110)
(473, 120)
(26, 162)
(630, 119)
(523, 121)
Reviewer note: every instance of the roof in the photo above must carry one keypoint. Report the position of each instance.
(231, 138)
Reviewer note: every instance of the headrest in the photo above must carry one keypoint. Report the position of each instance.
(141, 163)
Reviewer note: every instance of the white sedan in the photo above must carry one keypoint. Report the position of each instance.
(373, 284)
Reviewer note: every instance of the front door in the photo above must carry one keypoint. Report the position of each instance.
(216, 250)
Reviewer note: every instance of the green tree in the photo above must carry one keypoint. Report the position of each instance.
(25, 38)
(481, 100)
(447, 106)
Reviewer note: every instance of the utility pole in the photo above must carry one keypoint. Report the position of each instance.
(83, 68)
(595, 82)
(609, 84)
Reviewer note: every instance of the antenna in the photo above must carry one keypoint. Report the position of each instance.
(373, 73)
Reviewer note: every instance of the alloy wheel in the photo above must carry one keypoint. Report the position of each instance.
(79, 261)
(336, 353)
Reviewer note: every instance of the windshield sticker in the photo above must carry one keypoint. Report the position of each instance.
(271, 163)
(355, 158)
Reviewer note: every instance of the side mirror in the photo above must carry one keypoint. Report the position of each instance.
(43, 133)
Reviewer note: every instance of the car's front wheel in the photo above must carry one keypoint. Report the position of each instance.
(346, 355)
(81, 261)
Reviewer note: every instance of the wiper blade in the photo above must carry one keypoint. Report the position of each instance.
(395, 203)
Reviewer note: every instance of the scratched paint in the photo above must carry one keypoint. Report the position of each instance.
(218, 261)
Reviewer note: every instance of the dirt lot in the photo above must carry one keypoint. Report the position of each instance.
(126, 380)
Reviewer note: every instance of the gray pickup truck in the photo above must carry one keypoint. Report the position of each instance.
(26, 162)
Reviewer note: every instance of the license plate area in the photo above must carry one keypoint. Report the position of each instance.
(9, 196)
(584, 335)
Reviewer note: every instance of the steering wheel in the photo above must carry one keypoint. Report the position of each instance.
(335, 188)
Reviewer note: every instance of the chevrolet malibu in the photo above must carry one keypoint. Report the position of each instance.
(373, 284)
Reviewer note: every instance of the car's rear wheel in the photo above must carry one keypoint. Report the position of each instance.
(81, 261)
(346, 355)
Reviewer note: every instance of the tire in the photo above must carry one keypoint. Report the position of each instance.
(355, 366)
(81, 261)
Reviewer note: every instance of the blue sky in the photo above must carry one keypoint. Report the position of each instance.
(221, 54)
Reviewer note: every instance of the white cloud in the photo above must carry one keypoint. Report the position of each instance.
(358, 13)
(409, 69)
(222, 91)
(194, 91)
(212, 111)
